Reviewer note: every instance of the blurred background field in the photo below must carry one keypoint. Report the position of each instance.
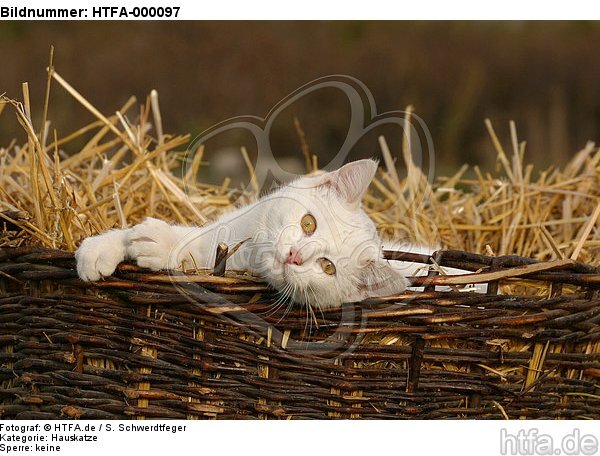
(543, 75)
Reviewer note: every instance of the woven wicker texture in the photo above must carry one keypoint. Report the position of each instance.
(154, 345)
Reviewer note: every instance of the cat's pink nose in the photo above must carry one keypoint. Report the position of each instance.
(294, 257)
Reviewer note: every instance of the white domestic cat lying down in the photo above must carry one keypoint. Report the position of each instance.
(310, 239)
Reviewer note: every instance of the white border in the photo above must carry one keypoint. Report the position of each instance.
(331, 438)
(350, 9)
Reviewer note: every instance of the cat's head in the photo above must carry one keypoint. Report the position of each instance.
(324, 249)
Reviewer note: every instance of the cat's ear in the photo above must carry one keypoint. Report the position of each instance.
(351, 181)
(379, 278)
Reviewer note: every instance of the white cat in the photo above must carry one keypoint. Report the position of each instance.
(310, 239)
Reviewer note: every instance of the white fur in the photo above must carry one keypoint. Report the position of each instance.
(271, 227)
(98, 256)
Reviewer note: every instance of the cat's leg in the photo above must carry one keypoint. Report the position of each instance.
(152, 244)
(156, 245)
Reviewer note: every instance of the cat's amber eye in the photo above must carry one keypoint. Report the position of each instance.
(308, 224)
(327, 266)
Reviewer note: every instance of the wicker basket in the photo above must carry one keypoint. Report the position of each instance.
(149, 345)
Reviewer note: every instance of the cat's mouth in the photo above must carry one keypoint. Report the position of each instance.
(288, 271)
(282, 268)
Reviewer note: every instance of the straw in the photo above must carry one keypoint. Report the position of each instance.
(123, 174)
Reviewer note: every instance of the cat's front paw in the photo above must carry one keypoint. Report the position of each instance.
(98, 256)
(151, 244)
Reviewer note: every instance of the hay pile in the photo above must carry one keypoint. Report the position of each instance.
(129, 169)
